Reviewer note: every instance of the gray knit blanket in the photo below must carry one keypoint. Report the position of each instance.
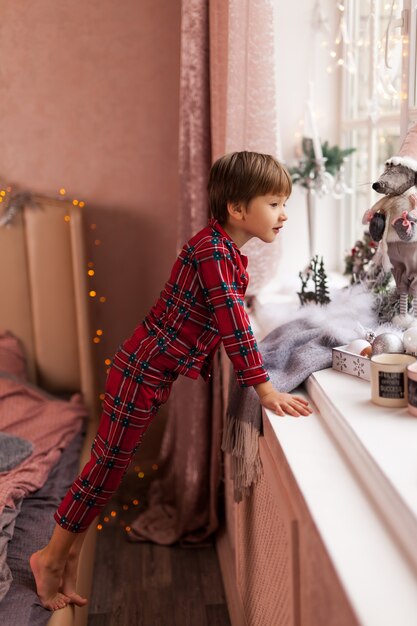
(291, 353)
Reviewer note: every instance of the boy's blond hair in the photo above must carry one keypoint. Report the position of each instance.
(241, 176)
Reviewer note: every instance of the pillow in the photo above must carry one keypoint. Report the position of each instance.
(13, 450)
(12, 357)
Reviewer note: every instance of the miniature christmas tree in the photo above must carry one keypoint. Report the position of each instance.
(315, 272)
(321, 287)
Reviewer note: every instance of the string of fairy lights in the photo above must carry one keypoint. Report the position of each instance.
(343, 46)
(362, 31)
(13, 200)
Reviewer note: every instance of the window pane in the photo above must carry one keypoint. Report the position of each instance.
(373, 52)
(389, 58)
(374, 87)
(388, 144)
(362, 37)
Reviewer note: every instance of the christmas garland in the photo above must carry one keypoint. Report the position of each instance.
(13, 203)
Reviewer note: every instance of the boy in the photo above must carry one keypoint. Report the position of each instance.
(201, 305)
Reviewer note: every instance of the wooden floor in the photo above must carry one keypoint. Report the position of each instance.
(144, 584)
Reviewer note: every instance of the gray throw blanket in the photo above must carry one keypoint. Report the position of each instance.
(13, 450)
(291, 353)
(7, 524)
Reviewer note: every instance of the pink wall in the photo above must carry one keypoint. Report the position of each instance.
(89, 102)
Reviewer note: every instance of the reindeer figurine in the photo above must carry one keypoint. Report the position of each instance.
(393, 223)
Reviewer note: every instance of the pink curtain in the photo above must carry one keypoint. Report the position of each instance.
(184, 499)
(244, 101)
(229, 78)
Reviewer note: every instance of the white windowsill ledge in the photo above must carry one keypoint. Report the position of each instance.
(380, 444)
(356, 466)
(368, 544)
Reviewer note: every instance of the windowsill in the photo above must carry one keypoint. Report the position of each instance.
(343, 458)
(379, 444)
(356, 467)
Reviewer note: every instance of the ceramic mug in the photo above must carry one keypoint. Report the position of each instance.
(412, 388)
(389, 382)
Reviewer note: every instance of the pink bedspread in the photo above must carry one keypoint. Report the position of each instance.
(49, 424)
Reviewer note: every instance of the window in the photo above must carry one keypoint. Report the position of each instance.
(379, 95)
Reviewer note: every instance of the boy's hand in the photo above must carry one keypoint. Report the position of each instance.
(282, 403)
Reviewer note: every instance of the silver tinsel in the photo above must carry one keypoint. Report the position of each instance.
(15, 202)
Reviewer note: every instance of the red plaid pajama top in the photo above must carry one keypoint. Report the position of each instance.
(202, 305)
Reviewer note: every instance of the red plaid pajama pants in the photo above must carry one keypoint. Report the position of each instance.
(135, 388)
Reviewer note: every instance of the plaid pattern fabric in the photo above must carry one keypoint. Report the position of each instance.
(136, 387)
(201, 305)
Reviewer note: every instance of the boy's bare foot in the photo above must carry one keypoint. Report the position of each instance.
(69, 581)
(48, 580)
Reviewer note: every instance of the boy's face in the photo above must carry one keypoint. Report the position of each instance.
(263, 217)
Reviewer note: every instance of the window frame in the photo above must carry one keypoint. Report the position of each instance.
(351, 125)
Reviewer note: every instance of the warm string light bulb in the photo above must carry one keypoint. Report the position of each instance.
(110, 518)
(63, 192)
(91, 273)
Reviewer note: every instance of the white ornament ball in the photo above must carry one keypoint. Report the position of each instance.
(357, 346)
(410, 340)
(387, 342)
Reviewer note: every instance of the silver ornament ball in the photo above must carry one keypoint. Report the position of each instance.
(387, 342)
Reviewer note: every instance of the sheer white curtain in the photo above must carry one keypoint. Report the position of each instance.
(244, 111)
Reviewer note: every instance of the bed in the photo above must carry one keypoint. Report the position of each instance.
(43, 309)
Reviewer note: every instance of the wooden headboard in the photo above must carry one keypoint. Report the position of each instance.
(43, 295)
